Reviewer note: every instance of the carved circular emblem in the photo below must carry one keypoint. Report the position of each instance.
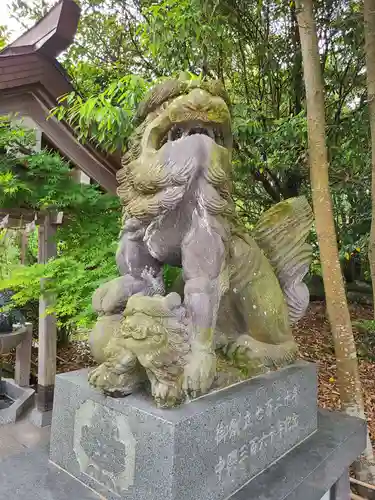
(104, 446)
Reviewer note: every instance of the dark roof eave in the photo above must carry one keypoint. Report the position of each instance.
(51, 35)
(32, 80)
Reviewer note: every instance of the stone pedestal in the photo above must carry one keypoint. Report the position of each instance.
(18, 396)
(21, 397)
(311, 471)
(207, 449)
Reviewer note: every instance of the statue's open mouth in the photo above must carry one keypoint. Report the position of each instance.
(182, 130)
(196, 113)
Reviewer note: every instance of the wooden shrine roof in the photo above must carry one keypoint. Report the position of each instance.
(31, 81)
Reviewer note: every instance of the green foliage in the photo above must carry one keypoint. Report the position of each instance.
(86, 241)
(275, 160)
(3, 36)
(39, 180)
(72, 278)
(367, 325)
(9, 253)
(183, 35)
(31, 10)
(170, 275)
(105, 117)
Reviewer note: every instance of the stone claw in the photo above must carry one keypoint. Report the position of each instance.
(97, 376)
(166, 396)
(199, 373)
(113, 383)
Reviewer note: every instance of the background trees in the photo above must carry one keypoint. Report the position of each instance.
(348, 379)
(254, 48)
(86, 244)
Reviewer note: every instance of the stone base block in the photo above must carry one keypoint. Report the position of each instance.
(40, 418)
(206, 449)
(9, 341)
(22, 398)
(310, 470)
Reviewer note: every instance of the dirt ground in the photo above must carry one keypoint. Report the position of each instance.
(315, 344)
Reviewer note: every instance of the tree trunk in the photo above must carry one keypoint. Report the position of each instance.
(348, 380)
(369, 15)
(296, 76)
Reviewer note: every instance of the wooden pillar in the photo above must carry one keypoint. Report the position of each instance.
(80, 177)
(47, 323)
(24, 241)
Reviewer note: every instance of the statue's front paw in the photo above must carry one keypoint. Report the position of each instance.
(111, 297)
(98, 377)
(111, 382)
(117, 383)
(165, 395)
(199, 373)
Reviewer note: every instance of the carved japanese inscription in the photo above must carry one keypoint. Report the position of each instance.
(240, 442)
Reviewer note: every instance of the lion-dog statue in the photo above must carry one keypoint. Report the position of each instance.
(239, 293)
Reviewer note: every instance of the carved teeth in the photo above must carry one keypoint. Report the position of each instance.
(178, 131)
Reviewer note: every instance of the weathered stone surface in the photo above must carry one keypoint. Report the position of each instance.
(310, 469)
(22, 400)
(9, 341)
(102, 333)
(204, 450)
(40, 418)
(111, 297)
(10, 318)
(241, 292)
(307, 472)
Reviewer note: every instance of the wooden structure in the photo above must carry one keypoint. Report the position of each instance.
(31, 81)
(47, 223)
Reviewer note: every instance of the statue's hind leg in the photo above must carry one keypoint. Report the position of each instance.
(259, 357)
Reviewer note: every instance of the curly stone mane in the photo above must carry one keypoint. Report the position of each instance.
(146, 187)
(240, 293)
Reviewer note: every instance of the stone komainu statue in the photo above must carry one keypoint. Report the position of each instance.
(240, 293)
